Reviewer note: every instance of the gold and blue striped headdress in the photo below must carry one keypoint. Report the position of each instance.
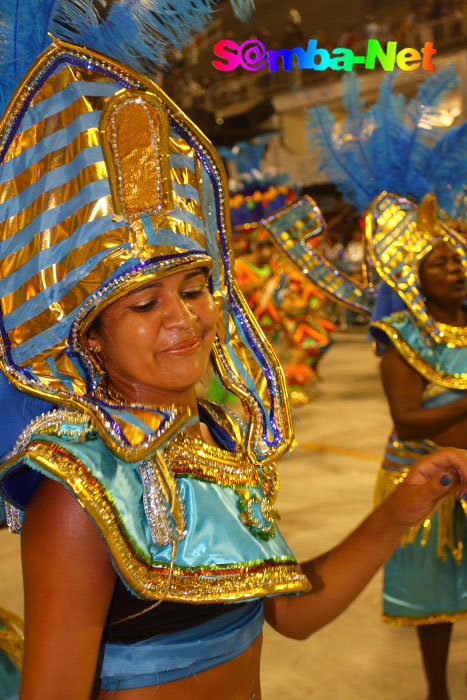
(106, 185)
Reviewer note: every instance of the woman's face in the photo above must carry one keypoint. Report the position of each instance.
(155, 342)
(442, 276)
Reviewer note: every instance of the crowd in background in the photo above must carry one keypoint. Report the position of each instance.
(192, 78)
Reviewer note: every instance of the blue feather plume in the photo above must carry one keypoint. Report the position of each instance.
(383, 125)
(246, 155)
(23, 36)
(136, 32)
(355, 124)
(394, 147)
(447, 173)
(335, 158)
(421, 120)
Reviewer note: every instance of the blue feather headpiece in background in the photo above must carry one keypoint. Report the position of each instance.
(393, 146)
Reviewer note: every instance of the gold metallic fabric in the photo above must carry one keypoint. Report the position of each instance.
(436, 619)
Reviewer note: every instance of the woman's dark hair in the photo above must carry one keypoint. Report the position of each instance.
(96, 325)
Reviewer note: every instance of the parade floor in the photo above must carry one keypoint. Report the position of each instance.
(326, 489)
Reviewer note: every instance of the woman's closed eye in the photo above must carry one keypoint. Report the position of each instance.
(193, 292)
(145, 305)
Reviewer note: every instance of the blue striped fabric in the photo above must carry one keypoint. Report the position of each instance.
(186, 191)
(49, 144)
(53, 255)
(166, 237)
(211, 227)
(52, 217)
(39, 303)
(189, 218)
(56, 103)
(180, 160)
(48, 219)
(66, 381)
(49, 337)
(50, 180)
(392, 235)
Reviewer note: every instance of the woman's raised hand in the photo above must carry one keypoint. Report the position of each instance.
(427, 484)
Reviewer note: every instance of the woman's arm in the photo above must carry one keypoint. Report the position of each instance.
(68, 582)
(404, 388)
(339, 575)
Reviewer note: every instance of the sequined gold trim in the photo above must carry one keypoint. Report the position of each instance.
(11, 636)
(225, 419)
(435, 619)
(452, 381)
(453, 335)
(189, 456)
(148, 579)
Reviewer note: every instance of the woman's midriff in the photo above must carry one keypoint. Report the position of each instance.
(237, 679)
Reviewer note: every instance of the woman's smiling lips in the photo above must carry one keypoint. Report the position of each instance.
(184, 347)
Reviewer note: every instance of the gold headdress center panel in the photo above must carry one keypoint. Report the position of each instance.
(135, 130)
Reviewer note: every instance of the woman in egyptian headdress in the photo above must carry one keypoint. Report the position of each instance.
(145, 513)
(416, 269)
(424, 373)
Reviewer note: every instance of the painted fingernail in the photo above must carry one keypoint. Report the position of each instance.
(446, 480)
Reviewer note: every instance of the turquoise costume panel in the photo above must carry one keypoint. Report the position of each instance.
(230, 549)
(441, 361)
(425, 581)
